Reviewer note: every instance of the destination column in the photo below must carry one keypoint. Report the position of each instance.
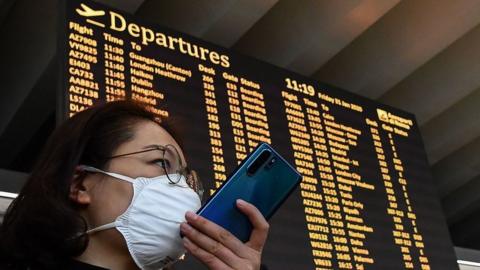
(342, 140)
(332, 191)
(146, 75)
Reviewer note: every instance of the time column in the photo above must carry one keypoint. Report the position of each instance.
(114, 67)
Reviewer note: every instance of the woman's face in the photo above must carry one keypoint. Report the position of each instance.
(110, 197)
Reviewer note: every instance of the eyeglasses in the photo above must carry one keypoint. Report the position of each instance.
(173, 166)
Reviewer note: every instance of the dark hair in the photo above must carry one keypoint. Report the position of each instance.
(40, 225)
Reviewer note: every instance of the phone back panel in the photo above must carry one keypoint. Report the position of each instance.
(266, 189)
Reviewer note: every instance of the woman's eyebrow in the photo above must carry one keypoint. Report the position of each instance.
(154, 146)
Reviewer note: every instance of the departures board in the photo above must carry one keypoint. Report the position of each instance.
(367, 199)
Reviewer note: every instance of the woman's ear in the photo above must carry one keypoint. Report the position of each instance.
(80, 189)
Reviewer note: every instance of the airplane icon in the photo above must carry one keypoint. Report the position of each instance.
(382, 115)
(89, 12)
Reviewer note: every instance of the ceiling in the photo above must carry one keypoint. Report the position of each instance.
(422, 56)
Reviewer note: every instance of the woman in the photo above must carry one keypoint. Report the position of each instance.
(111, 190)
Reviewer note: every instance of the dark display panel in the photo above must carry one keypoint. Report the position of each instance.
(367, 200)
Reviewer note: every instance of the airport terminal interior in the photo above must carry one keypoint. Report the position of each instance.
(412, 66)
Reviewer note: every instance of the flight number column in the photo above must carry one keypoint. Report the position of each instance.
(83, 89)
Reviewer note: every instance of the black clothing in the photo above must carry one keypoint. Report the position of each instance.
(78, 265)
(71, 264)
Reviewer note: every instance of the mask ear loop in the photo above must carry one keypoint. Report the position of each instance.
(115, 175)
(101, 228)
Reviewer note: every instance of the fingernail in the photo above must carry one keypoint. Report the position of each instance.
(240, 202)
(190, 215)
(184, 227)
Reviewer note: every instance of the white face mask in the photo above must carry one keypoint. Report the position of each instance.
(151, 223)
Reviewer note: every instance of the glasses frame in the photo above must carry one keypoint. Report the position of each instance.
(189, 174)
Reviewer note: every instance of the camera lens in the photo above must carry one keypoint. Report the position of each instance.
(262, 158)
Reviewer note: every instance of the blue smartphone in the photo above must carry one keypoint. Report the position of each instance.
(264, 179)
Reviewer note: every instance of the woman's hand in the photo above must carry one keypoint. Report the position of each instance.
(217, 248)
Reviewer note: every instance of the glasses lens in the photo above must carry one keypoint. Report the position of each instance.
(175, 169)
(172, 163)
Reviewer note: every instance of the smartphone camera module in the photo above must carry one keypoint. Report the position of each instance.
(261, 159)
